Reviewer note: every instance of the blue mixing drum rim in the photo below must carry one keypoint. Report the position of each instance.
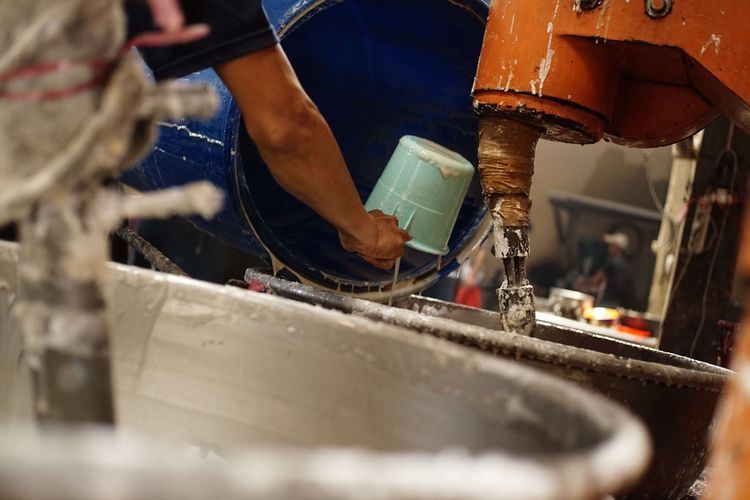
(378, 70)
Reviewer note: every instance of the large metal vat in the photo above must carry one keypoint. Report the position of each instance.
(219, 368)
(675, 396)
(378, 70)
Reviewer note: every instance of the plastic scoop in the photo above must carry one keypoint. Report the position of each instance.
(424, 185)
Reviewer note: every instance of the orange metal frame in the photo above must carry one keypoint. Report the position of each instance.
(615, 72)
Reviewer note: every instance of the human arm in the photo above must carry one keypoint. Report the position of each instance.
(302, 155)
(471, 278)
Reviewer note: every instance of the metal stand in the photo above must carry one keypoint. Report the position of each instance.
(705, 269)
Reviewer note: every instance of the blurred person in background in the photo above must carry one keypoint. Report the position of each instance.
(471, 275)
(612, 283)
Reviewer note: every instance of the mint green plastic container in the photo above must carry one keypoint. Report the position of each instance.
(424, 185)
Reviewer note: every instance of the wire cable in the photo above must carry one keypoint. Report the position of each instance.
(704, 302)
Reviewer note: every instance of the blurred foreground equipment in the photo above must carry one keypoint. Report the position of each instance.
(76, 109)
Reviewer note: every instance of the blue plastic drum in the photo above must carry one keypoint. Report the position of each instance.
(378, 70)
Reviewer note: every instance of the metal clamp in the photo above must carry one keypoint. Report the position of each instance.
(656, 9)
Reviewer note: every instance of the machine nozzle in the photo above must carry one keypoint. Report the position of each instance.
(506, 166)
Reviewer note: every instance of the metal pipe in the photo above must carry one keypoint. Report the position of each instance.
(506, 165)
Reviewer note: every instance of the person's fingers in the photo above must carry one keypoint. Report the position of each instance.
(160, 39)
(392, 251)
(378, 214)
(347, 246)
(384, 264)
(167, 14)
(384, 259)
(389, 245)
(388, 220)
(387, 217)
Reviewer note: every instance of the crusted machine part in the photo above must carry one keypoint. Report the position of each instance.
(506, 166)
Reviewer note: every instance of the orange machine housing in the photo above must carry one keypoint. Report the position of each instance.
(586, 69)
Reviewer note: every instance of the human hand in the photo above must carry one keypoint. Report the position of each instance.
(380, 243)
(168, 15)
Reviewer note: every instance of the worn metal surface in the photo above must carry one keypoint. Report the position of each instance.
(393, 72)
(448, 310)
(491, 320)
(221, 368)
(674, 395)
(94, 464)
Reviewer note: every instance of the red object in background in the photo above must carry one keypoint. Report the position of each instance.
(256, 286)
(469, 296)
(632, 331)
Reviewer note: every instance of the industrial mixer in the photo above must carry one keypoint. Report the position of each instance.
(585, 67)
